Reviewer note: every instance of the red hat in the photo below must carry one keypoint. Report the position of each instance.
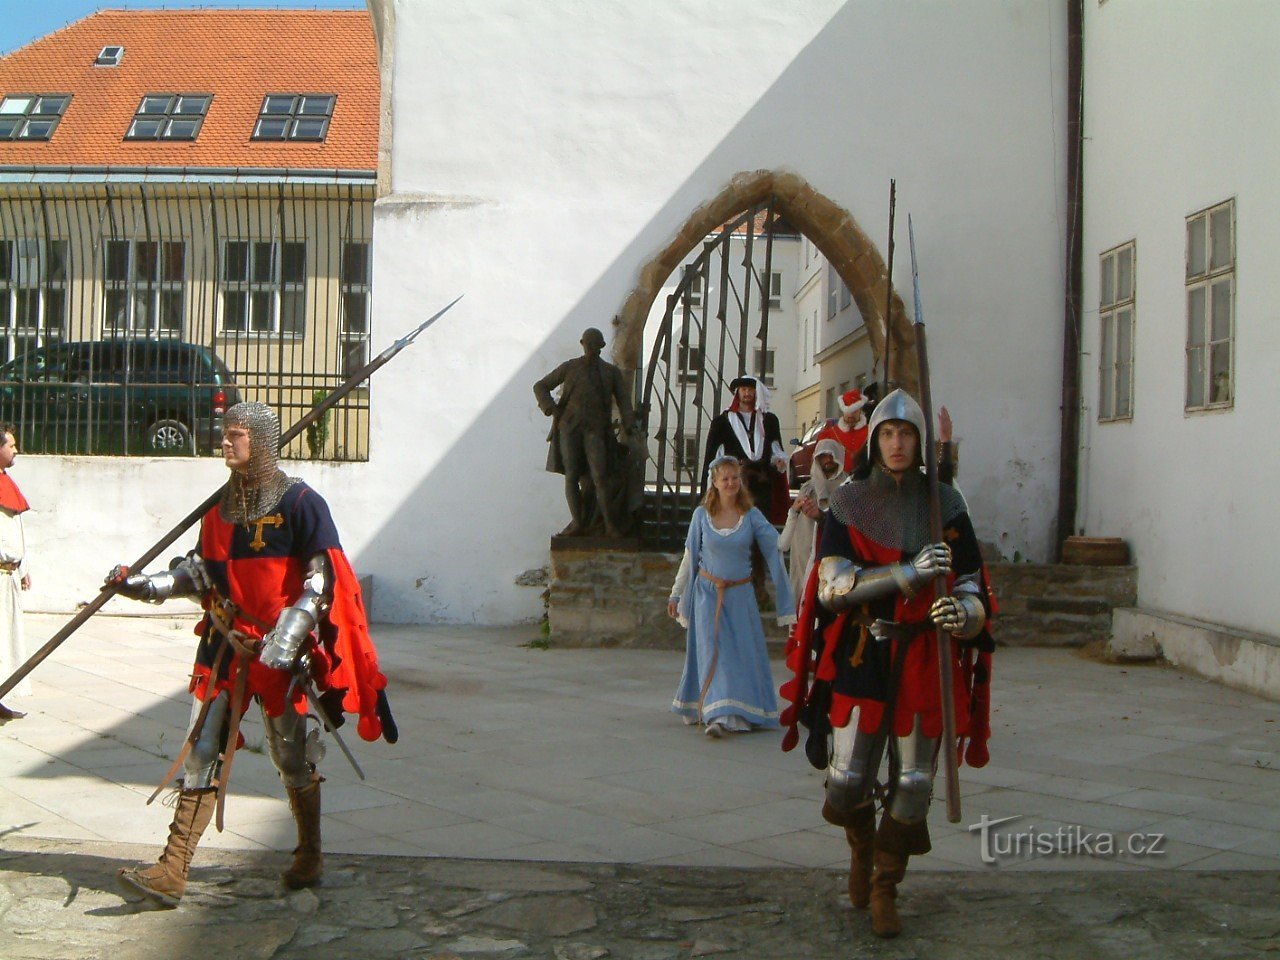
(851, 401)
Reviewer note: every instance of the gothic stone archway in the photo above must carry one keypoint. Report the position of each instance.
(856, 259)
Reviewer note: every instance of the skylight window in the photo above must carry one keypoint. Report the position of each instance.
(31, 116)
(109, 57)
(169, 116)
(288, 116)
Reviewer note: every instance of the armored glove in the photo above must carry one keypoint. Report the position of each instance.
(962, 615)
(283, 644)
(186, 577)
(135, 586)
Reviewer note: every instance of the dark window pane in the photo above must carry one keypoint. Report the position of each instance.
(1220, 371)
(38, 129)
(143, 320)
(293, 320)
(1220, 328)
(234, 312)
(1220, 232)
(1195, 377)
(51, 105)
(1195, 316)
(293, 262)
(271, 129)
(235, 261)
(154, 104)
(171, 311)
(145, 129)
(316, 105)
(260, 312)
(264, 262)
(6, 260)
(27, 308)
(1107, 289)
(354, 356)
(309, 129)
(173, 265)
(355, 264)
(191, 106)
(181, 129)
(5, 307)
(146, 261)
(55, 311)
(1196, 245)
(55, 263)
(117, 266)
(354, 315)
(277, 104)
(116, 308)
(9, 126)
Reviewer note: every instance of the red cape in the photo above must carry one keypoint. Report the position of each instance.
(11, 497)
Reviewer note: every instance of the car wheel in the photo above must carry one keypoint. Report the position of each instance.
(169, 436)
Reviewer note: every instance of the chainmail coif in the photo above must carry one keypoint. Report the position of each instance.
(254, 492)
(893, 511)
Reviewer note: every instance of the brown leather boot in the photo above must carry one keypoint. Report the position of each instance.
(890, 866)
(308, 862)
(861, 834)
(165, 881)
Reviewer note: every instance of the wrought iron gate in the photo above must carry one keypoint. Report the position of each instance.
(715, 327)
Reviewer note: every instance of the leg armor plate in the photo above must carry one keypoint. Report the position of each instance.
(912, 786)
(855, 759)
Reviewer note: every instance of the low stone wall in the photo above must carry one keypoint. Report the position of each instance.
(618, 598)
(1246, 661)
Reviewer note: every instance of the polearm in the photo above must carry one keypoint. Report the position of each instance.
(316, 412)
(888, 291)
(950, 760)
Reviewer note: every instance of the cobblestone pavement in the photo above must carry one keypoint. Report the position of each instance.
(59, 900)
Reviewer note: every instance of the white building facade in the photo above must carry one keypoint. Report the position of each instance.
(543, 158)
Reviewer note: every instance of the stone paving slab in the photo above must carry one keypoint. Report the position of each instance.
(58, 900)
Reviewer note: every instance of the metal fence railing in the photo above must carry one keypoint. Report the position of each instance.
(133, 313)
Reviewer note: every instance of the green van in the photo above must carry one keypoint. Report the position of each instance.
(117, 397)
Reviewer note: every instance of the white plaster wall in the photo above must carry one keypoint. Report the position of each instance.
(1179, 121)
(543, 152)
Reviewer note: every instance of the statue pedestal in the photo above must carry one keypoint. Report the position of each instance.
(607, 592)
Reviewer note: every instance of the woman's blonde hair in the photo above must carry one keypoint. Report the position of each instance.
(711, 502)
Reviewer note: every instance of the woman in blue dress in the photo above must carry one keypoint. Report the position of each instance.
(727, 682)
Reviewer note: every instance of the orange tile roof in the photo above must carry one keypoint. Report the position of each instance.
(237, 55)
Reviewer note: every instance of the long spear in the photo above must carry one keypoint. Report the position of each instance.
(951, 762)
(888, 291)
(109, 590)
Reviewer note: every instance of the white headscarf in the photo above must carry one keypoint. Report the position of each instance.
(824, 486)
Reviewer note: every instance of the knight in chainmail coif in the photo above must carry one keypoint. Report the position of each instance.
(281, 601)
(865, 657)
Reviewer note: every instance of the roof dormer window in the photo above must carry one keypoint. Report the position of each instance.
(289, 116)
(109, 57)
(169, 116)
(31, 116)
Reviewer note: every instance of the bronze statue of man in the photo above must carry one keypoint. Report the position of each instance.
(581, 437)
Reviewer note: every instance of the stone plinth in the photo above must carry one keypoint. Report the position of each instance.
(1059, 605)
(609, 593)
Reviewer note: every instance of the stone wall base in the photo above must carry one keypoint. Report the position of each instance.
(1246, 661)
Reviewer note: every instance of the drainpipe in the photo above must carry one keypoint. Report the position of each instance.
(1069, 458)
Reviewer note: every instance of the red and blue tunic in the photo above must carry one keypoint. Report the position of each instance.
(260, 566)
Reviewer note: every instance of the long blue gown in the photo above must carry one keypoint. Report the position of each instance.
(742, 682)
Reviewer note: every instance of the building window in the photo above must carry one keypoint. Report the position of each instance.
(287, 116)
(846, 297)
(31, 116)
(33, 296)
(169, 116)
(764, 364)
(693, 292)
(775, 289)
(687, 452)
(109, 57)
(690, 364)
(1211, 279)
(832, 409)
(263, 288)
(804, 344)
(1116, 313)
(143, 284)
(355, 306)
(833, 291)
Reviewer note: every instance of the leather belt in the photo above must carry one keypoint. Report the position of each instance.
(722, 586)
(8, 566)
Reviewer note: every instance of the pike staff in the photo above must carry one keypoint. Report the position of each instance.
(950, 760)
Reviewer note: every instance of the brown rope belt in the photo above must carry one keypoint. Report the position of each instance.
(722, 586)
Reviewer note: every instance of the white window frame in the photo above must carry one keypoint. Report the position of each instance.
(144, 296)
(25, 274)
(253, 290)
(833, 293)
(688, 452)
(1206, 282)
(1117, 316)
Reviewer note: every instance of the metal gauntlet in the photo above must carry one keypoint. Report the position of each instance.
(186, 577)
(962, 614)
(842, 584)
(282, 645)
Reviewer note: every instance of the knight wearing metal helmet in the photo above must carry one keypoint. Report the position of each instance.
(866, 660)
(283, 614)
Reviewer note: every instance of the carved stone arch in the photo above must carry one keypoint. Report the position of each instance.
(831, 228)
